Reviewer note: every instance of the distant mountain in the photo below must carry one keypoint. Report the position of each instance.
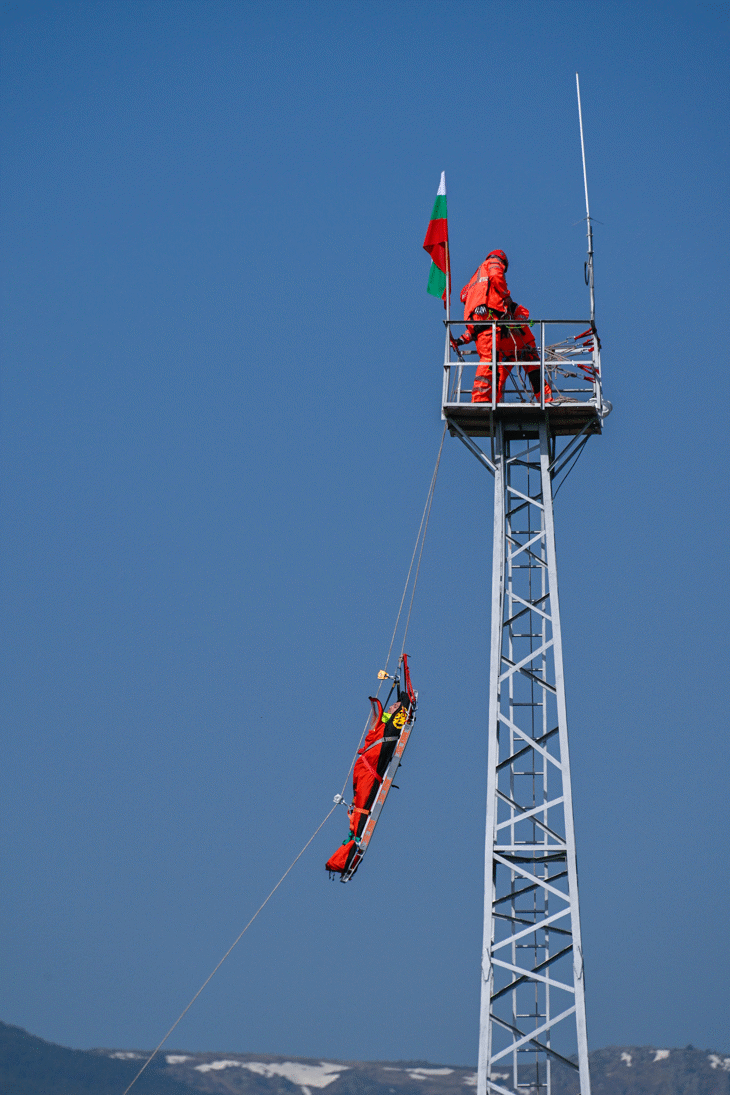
(30, 1066)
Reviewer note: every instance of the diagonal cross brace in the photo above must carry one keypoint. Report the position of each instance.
(524, 547)
(525, 497)
(515, 666)
(521, 752)
(531, 606)
(528, 975)
(532, 742)
(472, 446)
(526, 814)
(533, 927)
(534, 1042)
(542, 883)
(532, 1035)
(527, 889)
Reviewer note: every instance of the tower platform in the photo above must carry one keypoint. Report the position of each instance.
(522, 420)
(569, 363)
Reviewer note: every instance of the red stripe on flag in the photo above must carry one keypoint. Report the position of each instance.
(437, 237)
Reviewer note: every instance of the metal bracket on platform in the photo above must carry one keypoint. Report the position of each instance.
(568, 451)
(471, 445)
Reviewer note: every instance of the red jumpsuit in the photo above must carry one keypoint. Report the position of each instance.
(486, 297)
(524, 350)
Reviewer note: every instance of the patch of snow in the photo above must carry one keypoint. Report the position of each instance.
(306, 1076)
(626, 1057)
(661, 1054)
(298, 1073)
(176, 1058)
(719, 1062)
(120, 1055)
(216, 1066)
(471, 1079)
(428, 1073)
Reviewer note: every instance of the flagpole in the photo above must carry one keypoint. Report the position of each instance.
(448, 267)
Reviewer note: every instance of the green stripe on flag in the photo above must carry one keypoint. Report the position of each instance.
(436, 281)
(439, 208)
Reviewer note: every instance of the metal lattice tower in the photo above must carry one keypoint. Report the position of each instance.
(532, 959)
(532, 986)
(533, 989)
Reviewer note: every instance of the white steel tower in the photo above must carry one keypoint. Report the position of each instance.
(533, 984)
(533, 999)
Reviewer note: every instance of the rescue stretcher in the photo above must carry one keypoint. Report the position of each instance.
(373, 772)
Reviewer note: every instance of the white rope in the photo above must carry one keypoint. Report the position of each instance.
(424, 517)
(426, 514)
(233, 944)
(420, 538)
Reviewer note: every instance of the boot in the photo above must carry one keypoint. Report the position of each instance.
(534, 377)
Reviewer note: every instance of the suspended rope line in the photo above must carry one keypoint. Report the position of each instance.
(575, 461)
(233, 944)
(341, 796)
(426, 514)
(424, 519)
(419, 539)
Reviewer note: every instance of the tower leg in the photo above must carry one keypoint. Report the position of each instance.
(532, 984)
(485, 1026)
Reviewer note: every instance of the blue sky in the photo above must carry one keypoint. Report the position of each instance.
(221, 375)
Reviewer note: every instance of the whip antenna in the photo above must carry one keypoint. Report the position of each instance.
(589, 263)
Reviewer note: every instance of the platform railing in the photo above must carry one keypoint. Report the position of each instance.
(569, 355)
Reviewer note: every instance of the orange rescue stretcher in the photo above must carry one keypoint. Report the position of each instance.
(372, 778)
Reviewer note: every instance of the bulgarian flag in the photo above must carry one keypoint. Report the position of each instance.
(437, 245)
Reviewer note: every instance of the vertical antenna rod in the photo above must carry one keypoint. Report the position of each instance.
(589, 264)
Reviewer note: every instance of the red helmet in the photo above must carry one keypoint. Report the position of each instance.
(501, 256)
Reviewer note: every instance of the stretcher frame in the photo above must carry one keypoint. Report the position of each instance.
(383, 792)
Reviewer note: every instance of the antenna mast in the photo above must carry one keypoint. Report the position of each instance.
(589, 264)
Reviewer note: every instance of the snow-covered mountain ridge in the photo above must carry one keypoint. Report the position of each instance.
(632, 1070)
(31, 1066)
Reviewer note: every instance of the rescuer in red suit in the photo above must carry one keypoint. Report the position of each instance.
(486, 297)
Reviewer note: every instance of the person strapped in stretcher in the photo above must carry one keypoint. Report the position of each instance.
(373, 773)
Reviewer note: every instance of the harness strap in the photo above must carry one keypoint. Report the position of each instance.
(380, 741)
(368, 765)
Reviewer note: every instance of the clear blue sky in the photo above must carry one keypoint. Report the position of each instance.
(221, 386)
